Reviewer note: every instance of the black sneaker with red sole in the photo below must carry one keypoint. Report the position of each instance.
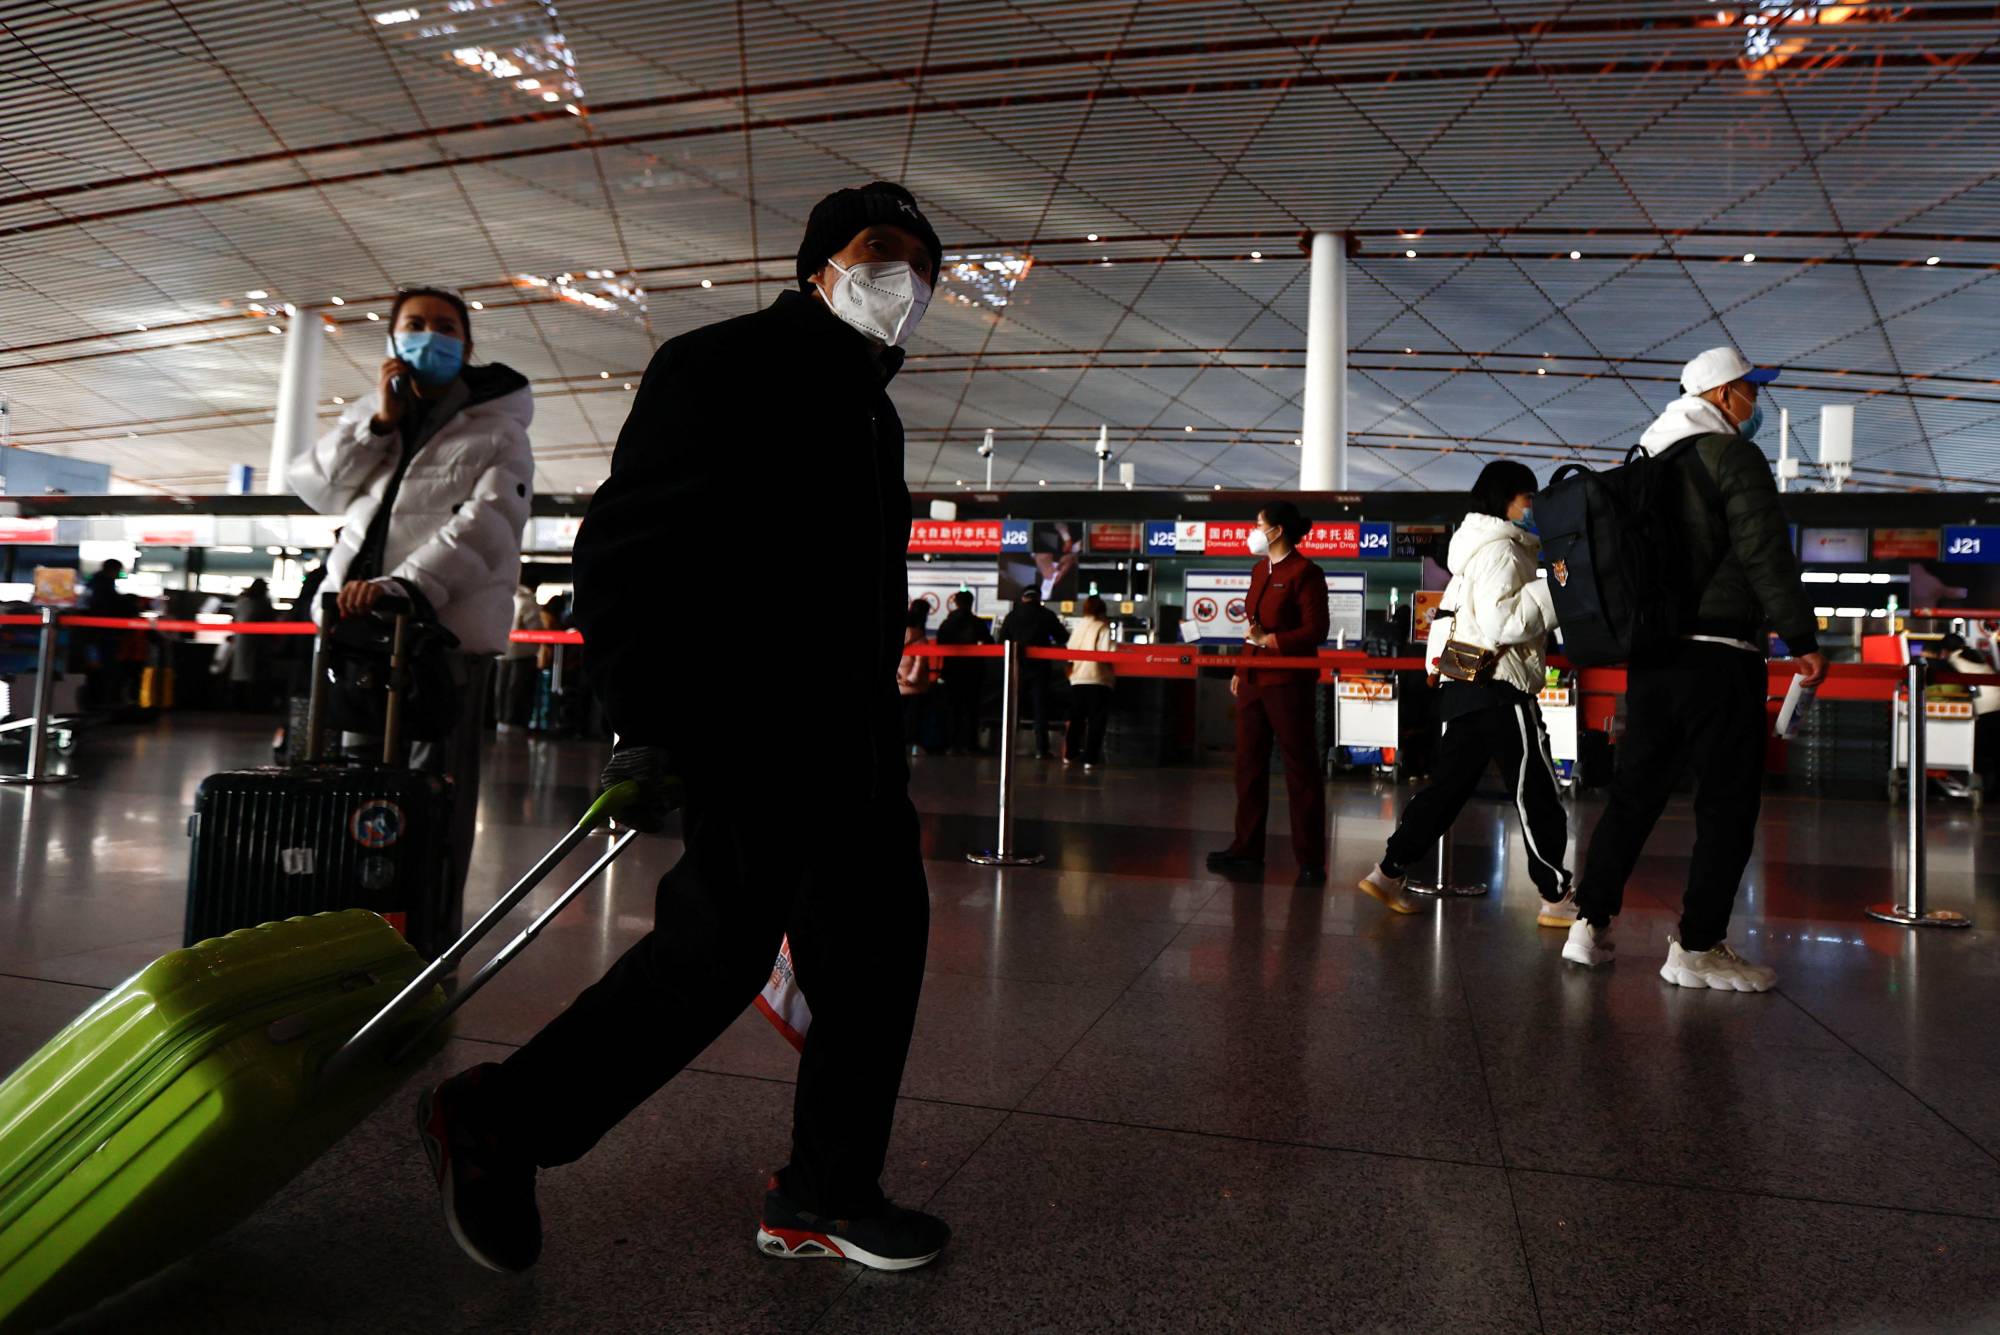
(891, 1239)
(488, 1193)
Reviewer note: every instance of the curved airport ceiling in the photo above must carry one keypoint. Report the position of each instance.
(1551, 206)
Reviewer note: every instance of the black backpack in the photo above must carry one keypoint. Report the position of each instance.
(1616, 555)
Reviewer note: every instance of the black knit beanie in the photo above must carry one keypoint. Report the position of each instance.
(845, 214)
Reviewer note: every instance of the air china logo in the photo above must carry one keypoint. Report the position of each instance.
(1560, 569)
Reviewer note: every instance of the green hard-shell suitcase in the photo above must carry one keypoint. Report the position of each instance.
(190, 1093)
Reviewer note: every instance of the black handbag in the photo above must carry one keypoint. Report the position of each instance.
(360, 667)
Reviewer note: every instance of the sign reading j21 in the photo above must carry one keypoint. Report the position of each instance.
(1972, 544)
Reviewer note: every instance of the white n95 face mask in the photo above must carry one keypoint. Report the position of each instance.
(1259, 542)
(884, 299)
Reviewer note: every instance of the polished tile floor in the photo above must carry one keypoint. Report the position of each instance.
(1152, 1099)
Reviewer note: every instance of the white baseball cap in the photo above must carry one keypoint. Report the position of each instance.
(1721, 366)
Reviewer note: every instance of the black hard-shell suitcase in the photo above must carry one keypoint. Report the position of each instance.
(277, 842)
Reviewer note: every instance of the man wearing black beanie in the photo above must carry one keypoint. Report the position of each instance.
(790, 773)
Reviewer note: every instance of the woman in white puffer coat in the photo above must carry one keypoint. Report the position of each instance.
(1495, 602)
(434, 475)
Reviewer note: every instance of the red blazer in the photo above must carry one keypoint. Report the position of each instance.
(1289, 600)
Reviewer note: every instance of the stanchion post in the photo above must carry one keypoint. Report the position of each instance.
(1909, 912)
(1446, 885)
(1003, 853)
(45, 688)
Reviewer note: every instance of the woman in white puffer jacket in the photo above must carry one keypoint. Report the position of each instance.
(434, 475)
(1496, 602)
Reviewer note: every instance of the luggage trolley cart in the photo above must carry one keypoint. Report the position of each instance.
(1948, 732)
(1559, 715)
(1367, 722)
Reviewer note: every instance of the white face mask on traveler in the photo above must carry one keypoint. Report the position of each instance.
(884, 299)
(1259, 542)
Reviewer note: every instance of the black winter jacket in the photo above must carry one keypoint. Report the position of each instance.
(736, 423)
(1034, 625)
(964, 628)
(1745, 545)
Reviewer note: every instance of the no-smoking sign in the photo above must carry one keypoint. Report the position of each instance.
(1205, 609)
(1237, 611)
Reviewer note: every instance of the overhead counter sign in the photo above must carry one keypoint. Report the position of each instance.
(1972, 544)
(968, 537)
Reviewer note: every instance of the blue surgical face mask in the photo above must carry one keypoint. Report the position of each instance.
(1527, 520)
(1752, 424)
(435, 359)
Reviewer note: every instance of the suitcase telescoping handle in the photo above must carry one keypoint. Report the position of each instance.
(615, 799)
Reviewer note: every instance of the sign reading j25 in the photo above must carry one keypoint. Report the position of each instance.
(1972, 544)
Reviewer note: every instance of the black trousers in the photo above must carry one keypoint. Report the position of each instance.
(1506, 733)
(1703, 704)
(1089, 712)
(1986, 751)
(963, 692)
(859, 924)
(1036, 683)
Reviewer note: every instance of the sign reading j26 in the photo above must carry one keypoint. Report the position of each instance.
(1972, 544)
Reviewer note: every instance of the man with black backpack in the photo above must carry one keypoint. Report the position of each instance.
(1700, 696)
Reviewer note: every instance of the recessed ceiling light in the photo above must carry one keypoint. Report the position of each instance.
(707, 282)
(131, 435)
(338, 400)
(1576, 254)
(340, 301)
(1187, 428)
(628, 384)
(1541, 370)
(373, 316)
(256, 294)
(573, 109)
(1409, 254)
(551, 97)
(291, 309)
(142, 329)
(1091, 237)
(478, 305)
(1409, 352)
(1256, 254)
(604, 375)
(274, 329)
(1933, 259)
(1750, 257)
(1041, 482)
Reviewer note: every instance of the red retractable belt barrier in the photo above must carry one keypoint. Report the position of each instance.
(1845, 681)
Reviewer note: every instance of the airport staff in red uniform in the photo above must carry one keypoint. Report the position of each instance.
(1288, 619)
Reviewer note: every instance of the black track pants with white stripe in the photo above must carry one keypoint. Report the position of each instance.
(1507, 734)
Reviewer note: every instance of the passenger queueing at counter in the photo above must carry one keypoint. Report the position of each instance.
(1497, 607)
(1704, 701)
(789, 765)
(964, 678)
(434, 473)
(1288, 619)
(1033, 626)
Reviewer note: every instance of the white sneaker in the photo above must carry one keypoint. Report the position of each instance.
(1558, 912)
(1380, 885)
(1721, 968)
(1588, 945)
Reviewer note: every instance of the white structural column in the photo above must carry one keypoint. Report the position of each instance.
(1323, 465)
(298, 397)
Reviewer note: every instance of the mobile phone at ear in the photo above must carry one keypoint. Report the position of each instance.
(395, 381)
